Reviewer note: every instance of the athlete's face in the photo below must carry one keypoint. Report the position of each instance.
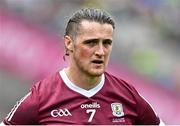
(92, 47)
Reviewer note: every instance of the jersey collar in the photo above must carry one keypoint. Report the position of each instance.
(72, 86)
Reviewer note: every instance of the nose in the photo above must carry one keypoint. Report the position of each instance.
(100, 50)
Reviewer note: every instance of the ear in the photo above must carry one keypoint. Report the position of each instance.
(68, 43)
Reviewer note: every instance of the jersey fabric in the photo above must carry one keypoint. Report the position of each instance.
(56, 100)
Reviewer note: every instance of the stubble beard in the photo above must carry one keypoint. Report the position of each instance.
(92, 72)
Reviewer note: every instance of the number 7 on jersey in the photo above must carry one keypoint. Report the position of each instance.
(92, 113)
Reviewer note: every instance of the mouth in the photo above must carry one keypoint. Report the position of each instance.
(98, 61)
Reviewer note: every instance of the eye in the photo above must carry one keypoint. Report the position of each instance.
(91, 42)
(107, 42)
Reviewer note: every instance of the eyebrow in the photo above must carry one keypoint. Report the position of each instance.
(89, 40)
(96, 40)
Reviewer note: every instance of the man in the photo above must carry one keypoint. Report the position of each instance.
(83, 93)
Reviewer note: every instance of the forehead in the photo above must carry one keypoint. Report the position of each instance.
(95, 29)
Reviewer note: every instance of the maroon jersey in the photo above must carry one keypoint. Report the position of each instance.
(56, 100)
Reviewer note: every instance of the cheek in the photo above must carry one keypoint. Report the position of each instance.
(84, 53)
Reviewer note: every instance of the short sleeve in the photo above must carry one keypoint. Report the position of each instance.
(25, 112)
(146, 114)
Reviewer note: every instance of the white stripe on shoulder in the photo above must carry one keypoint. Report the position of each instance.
(161, 122)
(148, 103)
(10, 115)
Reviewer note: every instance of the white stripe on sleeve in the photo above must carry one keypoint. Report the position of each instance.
(10, 115)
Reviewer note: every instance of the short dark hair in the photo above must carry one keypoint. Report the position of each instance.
(89, 14)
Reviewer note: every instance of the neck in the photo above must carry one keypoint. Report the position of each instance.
(82, 80)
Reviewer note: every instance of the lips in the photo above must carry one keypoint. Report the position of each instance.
(97, 61)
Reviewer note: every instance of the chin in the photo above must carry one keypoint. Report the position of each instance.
(96, 72)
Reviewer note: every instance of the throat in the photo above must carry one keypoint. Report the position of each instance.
(91, 83)
(83, 81)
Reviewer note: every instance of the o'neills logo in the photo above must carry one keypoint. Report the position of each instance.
(93, 105)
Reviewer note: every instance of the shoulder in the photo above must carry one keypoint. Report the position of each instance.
(27, 110)
(119, 82)
(124, 88)
(48, 83)
(146, 114)
(47, 87)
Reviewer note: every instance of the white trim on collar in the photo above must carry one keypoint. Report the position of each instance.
(72, 86)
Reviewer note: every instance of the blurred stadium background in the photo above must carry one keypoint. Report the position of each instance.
(146, 47)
